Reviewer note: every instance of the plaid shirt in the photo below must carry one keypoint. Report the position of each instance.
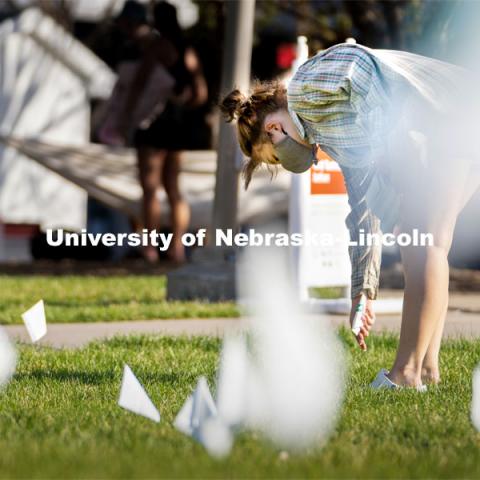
(343, 100)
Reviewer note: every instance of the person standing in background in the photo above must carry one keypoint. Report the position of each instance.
(160, 138)
(160, 145)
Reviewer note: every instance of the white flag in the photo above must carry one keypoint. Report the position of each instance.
(475, 413)
(35, 321)
(216, 437)
(203, 405)
(8, 358)
(197, 408)
(134, 398)
(199, 419)
(296, 369)
(232, 381)
(183, 420)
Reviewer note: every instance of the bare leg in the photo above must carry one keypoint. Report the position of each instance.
(430, 366)
(150, 162)
(426, 291)
(180, 210)
(432, 206)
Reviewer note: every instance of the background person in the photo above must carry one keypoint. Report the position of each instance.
(159, 146)
(159, 133)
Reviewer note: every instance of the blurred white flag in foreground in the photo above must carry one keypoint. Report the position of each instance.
(475, 413)
(288, 382)
(8, 358)
(198, 418)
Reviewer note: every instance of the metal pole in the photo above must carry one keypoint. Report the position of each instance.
(212, 274)
(235, 74)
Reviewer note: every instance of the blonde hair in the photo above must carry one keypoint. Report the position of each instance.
(250, 112)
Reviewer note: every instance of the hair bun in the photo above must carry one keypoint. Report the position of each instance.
(233, 105)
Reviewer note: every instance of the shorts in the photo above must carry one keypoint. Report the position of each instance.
(166, 132)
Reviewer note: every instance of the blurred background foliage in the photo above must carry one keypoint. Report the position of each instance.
(430, 27)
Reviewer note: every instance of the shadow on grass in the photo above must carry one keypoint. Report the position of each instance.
(156, 341)
(87, 378)
(94, 378)
(82, 304)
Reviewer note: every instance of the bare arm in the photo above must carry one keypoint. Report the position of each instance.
(199, 93)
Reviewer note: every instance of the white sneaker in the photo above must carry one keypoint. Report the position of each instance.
(382, 381)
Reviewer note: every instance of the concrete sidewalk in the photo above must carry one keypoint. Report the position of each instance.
(75, 335)
(463, 320)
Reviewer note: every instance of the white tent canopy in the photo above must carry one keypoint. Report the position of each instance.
(97, 78)
(46, 80)
(110, 175)
(96, 10)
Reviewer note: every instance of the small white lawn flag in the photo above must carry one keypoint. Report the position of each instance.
(134, 398)
(35, 321)
(183, 420)
(198, 418)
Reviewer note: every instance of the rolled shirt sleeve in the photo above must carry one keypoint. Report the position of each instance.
(366, 258)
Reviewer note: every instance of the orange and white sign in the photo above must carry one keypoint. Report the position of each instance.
(318, 208)
(326, 177)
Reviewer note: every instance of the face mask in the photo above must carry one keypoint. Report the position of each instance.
(294, 156)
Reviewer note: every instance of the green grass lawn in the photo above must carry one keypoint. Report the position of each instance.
(95, 299)
(59, 418)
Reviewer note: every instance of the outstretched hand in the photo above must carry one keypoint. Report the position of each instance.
(368, 319)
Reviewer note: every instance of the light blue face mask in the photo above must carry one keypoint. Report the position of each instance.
(294, 156)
